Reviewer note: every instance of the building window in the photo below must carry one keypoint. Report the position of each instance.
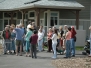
(54, 19)
(31, 15)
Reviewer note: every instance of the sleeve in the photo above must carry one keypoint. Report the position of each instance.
(66, 34)
(16, 29)
(53, 36)
(26, 34)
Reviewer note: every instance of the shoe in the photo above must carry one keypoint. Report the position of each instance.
(29, 56)
(53, 57)
(89, 56)
(65, 57)
(73, 56)
(16, 54)
(35, 57)
(20, 55)
(4, 53)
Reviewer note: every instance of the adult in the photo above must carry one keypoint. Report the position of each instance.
(41, 27)
(54, 43)
(61, 32)
(27, 38)
(19, 38)
(90, 41)
(29, 25)
(40, 39)
(49, 36)
(7, 40)
(73, 35)
(68, 43)
(13, 35)
(34, 26)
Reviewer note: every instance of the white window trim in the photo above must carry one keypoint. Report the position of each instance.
(29, 15)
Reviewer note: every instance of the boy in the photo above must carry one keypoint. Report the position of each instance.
(33, 41)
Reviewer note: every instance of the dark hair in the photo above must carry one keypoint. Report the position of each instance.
(69, 28)
(56, 31)
(35, 31)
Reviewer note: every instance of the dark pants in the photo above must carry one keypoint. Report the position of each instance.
(49, 45)
(33, 50)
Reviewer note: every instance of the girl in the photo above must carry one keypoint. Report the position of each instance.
(54, 43)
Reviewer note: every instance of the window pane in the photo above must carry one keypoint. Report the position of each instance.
(6, 15)
(19, 15)
(5, 23)
(54, 14)
(31, 14)
(14, 22)
(1, 15)
(45, 19)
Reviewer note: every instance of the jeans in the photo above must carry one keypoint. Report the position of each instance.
(90, 46)
(54, 50)
(27, 46)
(13, 45)
(7, 45)
(68, 48)
(33, 50)
(72, 46)
(40, 43)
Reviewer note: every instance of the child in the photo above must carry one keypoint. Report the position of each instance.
(33, 41)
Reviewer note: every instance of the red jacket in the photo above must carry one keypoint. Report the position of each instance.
(73, 33)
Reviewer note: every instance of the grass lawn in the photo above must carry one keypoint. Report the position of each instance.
(79, 47)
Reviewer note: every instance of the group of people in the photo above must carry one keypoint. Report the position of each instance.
(65, 39)
(32, 38)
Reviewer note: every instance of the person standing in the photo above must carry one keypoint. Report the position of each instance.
(13, 35)
(54, 43)
(19, 38)
(7, 40)
(68, 43)
(28, 45)
(73, 35)
(90, 41)
(41, 27)
(49, 36)
(40, 39)
(33, 41)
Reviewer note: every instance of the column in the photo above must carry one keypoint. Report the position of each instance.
(77, 19)
(38, 17)
(48, 19)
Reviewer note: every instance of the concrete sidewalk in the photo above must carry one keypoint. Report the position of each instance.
(43, 61)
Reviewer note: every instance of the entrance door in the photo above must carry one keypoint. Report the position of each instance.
(54, 17)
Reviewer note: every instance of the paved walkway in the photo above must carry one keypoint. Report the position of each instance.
(43, 61)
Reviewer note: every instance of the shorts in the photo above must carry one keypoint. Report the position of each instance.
(19, 42)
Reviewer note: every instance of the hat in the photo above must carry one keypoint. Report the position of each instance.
(30, 27)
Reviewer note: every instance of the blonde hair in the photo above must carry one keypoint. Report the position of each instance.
(60, 27)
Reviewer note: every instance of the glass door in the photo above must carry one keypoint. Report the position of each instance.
(54, 18)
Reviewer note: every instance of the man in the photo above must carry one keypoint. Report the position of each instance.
(28, 26)
(6, 35)
(90, 41)
(34, 26)
(19, 38)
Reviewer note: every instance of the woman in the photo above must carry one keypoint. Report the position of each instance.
(27, 37)
(13, 35)
(40, 39)
(73, 35)
(68, 43)
(49, 36)
(54, 43)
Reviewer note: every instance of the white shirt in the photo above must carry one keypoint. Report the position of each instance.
(40, 35)
(54, 38)
(29, 25)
